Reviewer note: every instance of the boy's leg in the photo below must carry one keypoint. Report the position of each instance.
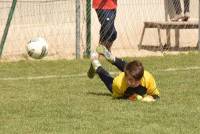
(119, 63)
(95, 67)
(105, 77)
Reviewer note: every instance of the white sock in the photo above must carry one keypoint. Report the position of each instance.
(96, 64)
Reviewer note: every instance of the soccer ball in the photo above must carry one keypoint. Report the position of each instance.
(37, 48)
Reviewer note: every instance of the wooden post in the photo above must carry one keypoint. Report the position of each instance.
(198, 45)
(177, 36)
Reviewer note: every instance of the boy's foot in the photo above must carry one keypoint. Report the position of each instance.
(186, 16)
(94, 65)
(177, 17)
(104, 51)
(91, 72)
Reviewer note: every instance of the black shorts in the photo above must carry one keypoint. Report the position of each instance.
(106, 18)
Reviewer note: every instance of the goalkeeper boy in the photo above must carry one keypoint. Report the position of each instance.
(133, 83)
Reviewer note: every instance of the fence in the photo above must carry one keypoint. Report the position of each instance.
(71, 32)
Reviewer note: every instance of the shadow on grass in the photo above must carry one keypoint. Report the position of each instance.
(106, 94)
(99, 93)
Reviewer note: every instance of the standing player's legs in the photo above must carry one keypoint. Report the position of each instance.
(186, 6)
(107, 32)
(178, 10)
(177, 6)
(186, 10)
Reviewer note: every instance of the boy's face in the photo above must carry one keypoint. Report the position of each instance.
(131, 82)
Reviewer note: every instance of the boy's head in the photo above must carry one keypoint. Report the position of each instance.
(134, 71)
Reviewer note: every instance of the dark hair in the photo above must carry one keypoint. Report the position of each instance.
(135, 69)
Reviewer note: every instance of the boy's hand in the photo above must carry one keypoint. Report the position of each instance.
(135, 97)
(148, 98)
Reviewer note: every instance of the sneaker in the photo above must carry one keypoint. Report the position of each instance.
(104, 51)
(94, 65)
(91, 72)
(177, 17)
(186, 16)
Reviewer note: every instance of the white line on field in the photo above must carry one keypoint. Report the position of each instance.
(84, 74)
(43, 77)
(180, 69)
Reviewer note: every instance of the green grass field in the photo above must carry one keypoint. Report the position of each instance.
(56, 97)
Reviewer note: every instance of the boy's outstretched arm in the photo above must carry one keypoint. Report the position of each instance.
(147, 98)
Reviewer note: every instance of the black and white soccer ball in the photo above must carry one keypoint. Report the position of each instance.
(37, 48)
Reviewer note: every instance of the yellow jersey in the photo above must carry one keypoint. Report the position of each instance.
(119, 85)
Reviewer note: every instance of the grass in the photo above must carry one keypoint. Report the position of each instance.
(76, 104)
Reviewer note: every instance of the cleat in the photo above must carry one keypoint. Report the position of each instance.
(91, 72)
(104, 51)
